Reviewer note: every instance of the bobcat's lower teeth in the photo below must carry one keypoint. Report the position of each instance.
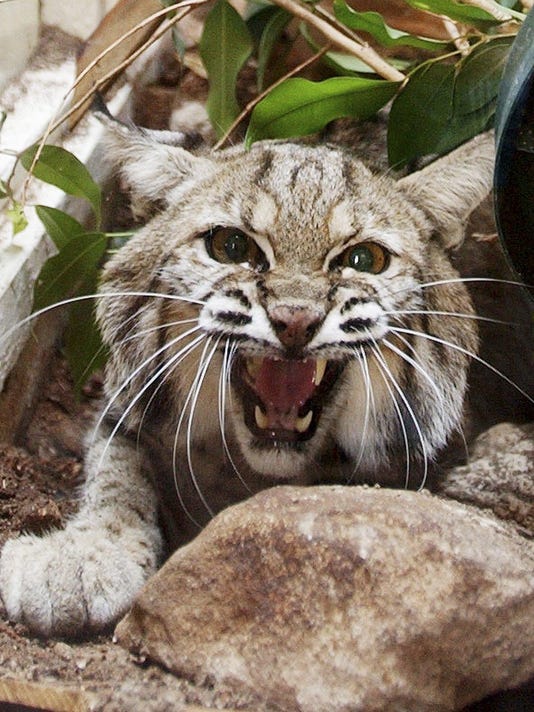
(262, 421)
(302, 424)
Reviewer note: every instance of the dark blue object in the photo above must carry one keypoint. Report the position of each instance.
(514, 167)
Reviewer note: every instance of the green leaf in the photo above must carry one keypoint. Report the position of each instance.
(75, 264)
(62, 169)
(15, 213)
(3, 117)
(84, 349)
(298, 106)
(373, 23)
(479, 75)
(467, 14)
(3, 189)
(271, 34)
(225, 46)
(59, 225)
(443, 105)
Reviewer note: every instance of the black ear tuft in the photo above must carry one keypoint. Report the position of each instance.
(99, 106)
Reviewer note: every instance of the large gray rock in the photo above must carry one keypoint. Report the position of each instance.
(344, 598)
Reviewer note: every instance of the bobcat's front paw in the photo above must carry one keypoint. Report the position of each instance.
(68, 582)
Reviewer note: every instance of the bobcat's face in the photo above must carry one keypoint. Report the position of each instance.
(314, 318)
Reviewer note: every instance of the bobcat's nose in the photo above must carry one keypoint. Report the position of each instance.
(294, 326)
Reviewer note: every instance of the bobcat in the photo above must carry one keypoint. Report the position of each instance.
(286, 315)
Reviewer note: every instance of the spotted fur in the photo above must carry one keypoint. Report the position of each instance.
(187, 332)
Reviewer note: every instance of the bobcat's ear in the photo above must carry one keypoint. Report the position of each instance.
(152, 163)
(450, 188)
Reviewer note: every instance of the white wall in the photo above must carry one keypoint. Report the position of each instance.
(19, 26)
(77, 18)
(19, 30)
(30, 99)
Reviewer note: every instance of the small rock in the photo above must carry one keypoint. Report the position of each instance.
(64, 651)
(330, 599)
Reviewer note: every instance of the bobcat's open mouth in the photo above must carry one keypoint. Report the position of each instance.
(283, 398)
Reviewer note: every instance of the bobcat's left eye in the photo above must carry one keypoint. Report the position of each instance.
(365, 257)
(231, 245)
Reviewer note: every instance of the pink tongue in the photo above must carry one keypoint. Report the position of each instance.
(285, 385)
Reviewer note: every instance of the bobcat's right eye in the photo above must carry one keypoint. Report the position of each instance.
(363, 257)
(231, 245)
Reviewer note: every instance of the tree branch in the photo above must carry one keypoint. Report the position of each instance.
(338, 39)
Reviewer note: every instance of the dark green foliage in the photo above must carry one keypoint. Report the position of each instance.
(444, 104)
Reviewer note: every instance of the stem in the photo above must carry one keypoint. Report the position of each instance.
(251, 104)
(503, 14)
(459, 40)
(338, 39)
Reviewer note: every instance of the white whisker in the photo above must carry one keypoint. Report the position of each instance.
(369, 398)
(444, 342)
(386, 377)
(224, 380)
(381, 360)
(152, 329)
(457, 280)
(177, 358)
(135, 373)
(459, 428)
(185, 351)
(185, 406)
(101, 295)
(199, 380)
(417, 367)
(474, 317)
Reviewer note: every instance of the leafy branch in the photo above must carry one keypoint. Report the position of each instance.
(341, 40)
(441, 93)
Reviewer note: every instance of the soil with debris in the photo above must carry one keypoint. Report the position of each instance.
(38, 485)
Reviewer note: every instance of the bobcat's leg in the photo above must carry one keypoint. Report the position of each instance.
(83, 577)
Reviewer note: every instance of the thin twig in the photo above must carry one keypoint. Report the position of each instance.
(54, 124)
(147, 21)
(459, 40)
(503, 14)
(251, 104)
(364, 52)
